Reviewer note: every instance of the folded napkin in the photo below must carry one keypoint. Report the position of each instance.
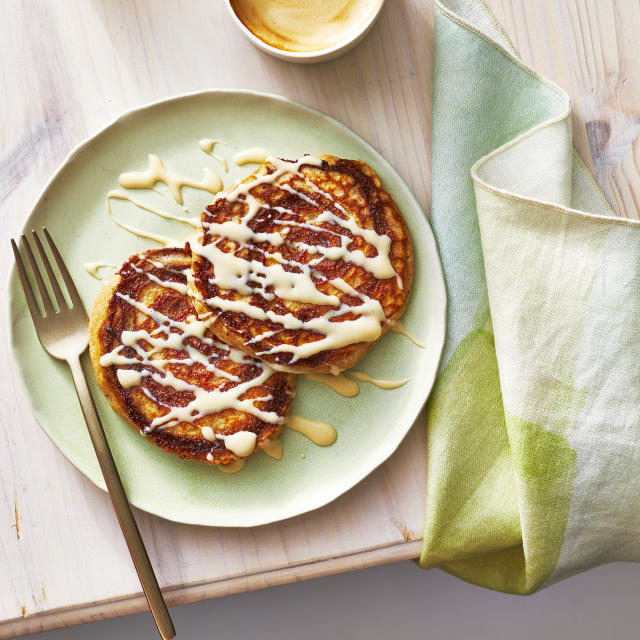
(534, 423)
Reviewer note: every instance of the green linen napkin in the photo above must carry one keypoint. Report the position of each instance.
(533, 426)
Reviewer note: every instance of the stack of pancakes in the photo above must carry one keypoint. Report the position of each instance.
(299, 268)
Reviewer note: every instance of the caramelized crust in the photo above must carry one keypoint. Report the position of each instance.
(350, 190)
(139, 281)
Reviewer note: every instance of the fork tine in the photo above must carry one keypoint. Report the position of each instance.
(44, 294)
(62, 303)
(71, 287)
(24, 281)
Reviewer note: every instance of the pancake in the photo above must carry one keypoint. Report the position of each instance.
(304, 264)
(166, 374)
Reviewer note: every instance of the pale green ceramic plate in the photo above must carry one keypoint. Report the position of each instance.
(370, 426)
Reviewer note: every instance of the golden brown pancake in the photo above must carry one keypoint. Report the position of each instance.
(173, 380)
(304, 264)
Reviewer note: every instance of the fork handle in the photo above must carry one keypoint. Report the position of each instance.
(121, 504)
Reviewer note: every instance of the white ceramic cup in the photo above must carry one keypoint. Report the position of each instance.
(307, 57)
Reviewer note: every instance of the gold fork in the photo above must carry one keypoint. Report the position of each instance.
(63, 334)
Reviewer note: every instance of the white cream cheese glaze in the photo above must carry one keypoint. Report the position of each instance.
(234, 273)
(147, 347)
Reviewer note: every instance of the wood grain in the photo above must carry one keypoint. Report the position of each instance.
(70, 66)
(590, 50)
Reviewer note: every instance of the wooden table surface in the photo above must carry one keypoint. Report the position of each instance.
(70, 66)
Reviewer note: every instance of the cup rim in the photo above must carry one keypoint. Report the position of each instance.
(304, 55)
